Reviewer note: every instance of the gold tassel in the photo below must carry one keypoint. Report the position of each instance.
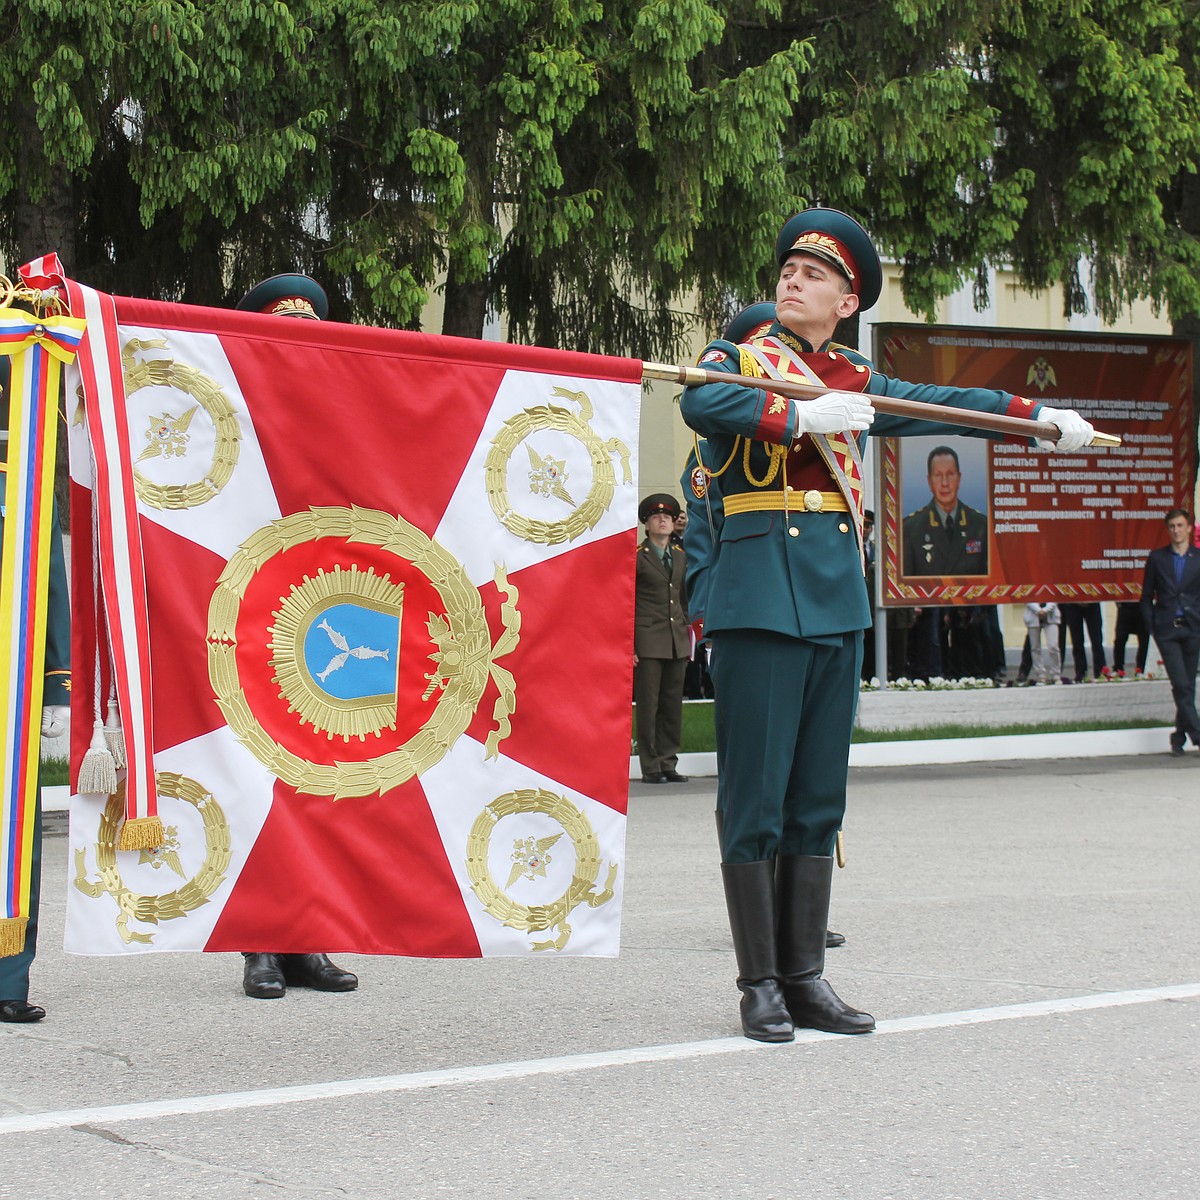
(12, 935)
(97, 771)
(141, 833)
(840, 849)
(114, 736)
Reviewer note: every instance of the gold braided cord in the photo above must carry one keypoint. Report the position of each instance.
(709, 474)
(42, 304)
(775, 453)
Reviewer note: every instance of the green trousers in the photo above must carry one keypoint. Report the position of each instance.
(784, 712)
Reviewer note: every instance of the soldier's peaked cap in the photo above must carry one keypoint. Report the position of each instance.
(752, 319)
(840, 240)
(287, 296)
(660, 502)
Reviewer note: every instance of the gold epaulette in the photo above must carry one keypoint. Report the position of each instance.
(749, 364)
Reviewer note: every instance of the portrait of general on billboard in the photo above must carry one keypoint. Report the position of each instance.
(971, 520)
(945, 496)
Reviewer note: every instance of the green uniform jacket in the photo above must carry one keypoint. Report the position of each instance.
(807, 584)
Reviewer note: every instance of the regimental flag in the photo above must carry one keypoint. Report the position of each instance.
(387, 614)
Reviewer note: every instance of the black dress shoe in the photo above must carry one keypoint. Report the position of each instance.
(263, 976)
(658, 777)
(834, 939)
(1177, 744)
(317, 972)
(19, 1012)
(674, 777)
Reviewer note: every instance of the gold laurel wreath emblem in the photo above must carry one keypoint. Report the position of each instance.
(462, 664)
(166, 372)
(554, 417)
(537, 918)
(151, 909)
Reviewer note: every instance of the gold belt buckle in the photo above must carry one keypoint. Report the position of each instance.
(813, 501)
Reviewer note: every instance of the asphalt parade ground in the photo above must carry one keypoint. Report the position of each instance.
(1024, 932)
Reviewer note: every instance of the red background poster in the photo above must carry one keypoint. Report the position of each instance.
(1059, 526)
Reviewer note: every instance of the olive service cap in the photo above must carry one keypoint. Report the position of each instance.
(660, 502)
(287, 296)
(753, 319)
(838, 239)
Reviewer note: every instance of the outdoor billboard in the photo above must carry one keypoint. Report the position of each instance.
(1027, 523)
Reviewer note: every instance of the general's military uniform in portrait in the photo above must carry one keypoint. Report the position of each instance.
(939, 544)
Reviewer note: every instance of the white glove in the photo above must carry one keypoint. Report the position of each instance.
(834, 412)
(1076, 432)
(54, 720)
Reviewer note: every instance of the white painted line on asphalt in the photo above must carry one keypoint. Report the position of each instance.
(568, 1064)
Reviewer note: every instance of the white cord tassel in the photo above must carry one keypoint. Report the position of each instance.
(97, 771)
(114, 735)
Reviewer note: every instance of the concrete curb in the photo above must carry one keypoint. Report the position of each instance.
(1019, 747)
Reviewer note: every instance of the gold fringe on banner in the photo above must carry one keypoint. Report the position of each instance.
(141, 833)
(12, 935)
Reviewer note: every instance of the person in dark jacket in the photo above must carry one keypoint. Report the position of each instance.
(1171, 608)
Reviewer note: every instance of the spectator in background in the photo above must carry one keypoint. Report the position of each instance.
(681, 523)
(1074, 617)
(1130, 622)
(660, 642)
(1171, 610)
(1042, 621)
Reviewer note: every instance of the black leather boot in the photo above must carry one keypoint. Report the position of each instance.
(803, 883)
(833, 939)
(317, 972)
(263, 976)
(750, 897)
(20, 1011)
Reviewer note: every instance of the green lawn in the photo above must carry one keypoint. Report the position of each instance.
(698, 734)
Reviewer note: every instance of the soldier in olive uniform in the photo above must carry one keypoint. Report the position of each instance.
(946, 537)
(660, 642)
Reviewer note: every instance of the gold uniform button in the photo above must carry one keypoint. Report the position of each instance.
(860, 369)
(844, 527)
(794, 532)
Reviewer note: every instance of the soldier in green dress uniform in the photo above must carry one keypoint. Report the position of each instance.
(267, 975)
(787, 603)
(56, 696)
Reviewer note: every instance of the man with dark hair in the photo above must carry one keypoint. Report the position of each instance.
(786, 607)
(946, 537)
(1171, 608)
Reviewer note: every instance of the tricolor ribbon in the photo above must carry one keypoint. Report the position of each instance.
(121, 565)
(38, 346)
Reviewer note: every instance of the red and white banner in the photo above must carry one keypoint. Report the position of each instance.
(388, 610)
